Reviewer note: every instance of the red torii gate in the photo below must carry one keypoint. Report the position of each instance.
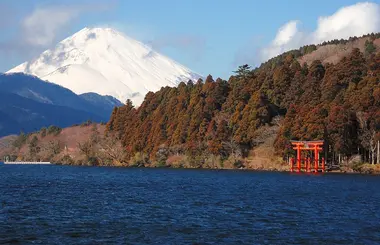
(306, 163)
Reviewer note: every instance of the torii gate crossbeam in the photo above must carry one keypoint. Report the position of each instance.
(314, 146)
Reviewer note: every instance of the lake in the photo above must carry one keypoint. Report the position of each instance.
(91, 205)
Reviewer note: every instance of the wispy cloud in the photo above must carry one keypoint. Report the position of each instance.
(354, 20)
(41, 28)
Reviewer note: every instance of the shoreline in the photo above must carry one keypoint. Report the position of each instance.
(343, 172)
(365, 169)
(351, 171)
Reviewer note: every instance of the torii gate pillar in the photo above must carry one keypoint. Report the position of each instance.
(315, 146)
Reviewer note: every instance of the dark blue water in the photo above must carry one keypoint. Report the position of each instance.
(77, 205)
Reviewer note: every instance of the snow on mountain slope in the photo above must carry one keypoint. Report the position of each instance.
(104, 61)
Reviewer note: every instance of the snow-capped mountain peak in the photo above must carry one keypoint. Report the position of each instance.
(105, 61)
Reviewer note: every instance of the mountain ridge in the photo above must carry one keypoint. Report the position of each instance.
(18, 114)
(107, 62)
(32, 87)
(28, 103)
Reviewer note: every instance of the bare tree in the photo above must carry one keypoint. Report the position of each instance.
(54, 147)
(86, 148)
(266, 134)
(372, 146)
(111, 148)
(277, 121)
(366, 135)
(233, 148)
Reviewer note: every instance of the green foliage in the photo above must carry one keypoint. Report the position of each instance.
(34, 148)
(243, 71)
(54, 130)
(66, 160)
(238, 163)
(369, 47)
(86, 123)
(139, 160)
(308, 49)
(162, 155)
(55, 147)
(43, 132)
(93, 161)
(95, 135)
(21, 140)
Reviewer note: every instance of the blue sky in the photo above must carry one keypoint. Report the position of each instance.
(208, 36)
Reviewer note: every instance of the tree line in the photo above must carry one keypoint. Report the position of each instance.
(335, 102)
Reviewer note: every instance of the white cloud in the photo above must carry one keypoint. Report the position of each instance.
(286, 33)
(355, 20)
(288, 37)
(40, 27)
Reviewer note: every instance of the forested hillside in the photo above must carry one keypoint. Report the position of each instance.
(339, 103)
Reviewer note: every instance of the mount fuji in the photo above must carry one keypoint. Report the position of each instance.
(106, 62)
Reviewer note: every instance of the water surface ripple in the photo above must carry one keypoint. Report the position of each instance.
(79, 205)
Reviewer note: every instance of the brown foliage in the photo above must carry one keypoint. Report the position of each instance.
(317, 101)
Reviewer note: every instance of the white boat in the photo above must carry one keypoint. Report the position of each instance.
(27, 163)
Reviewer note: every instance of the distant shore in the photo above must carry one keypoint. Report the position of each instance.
(365, 169)
(246, 165)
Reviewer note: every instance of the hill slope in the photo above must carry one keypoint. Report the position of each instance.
(21, 114)
(106, 62)
(33, 88)
(333, 52)
(339, 103)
